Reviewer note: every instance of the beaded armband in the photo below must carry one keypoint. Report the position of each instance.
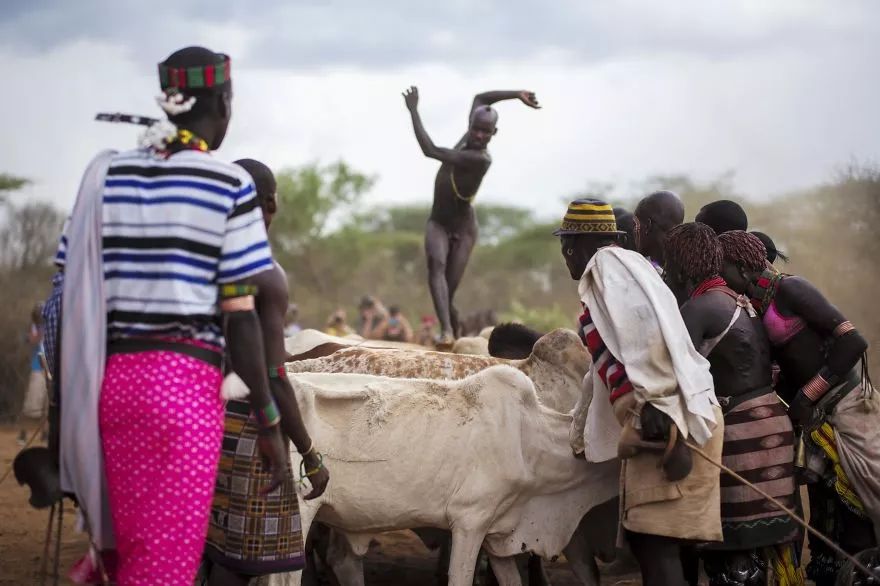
(267, 416)
(232, 291)
(843, 328)
(817, 387)
(277, 371)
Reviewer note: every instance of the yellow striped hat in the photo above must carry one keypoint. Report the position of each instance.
(588, 216)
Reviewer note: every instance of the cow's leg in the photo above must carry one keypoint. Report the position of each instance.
(505, 570)
(347, 565)
(581, 557)
(463, 560)
(537, 575)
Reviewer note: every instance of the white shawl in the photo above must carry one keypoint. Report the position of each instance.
(83, 351)
(638, 319)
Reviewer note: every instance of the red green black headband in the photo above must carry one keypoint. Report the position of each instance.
(196, 77)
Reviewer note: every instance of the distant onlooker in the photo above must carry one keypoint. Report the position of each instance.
(427, 335)
(373, 313)
(36, 397)
(625, 223)
(337, 326)
(395, 327)
(291, 321)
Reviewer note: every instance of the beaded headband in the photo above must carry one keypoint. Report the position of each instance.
(196, 77)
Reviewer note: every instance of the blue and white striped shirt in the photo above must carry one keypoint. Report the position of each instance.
(173, 230)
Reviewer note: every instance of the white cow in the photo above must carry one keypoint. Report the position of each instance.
(557, 366)
(477, 346)
(481, 457)
(305, 340)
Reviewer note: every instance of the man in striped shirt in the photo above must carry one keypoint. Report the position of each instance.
(184, 250)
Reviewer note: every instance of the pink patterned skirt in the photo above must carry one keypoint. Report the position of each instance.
(161, 419)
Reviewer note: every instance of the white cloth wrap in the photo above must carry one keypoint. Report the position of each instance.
(638, 318)
(83, 351)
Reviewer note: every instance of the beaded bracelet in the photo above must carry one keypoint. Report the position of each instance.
(267, 416)
(817, 387)
(303, 473)
(843, 328)
(277, 371)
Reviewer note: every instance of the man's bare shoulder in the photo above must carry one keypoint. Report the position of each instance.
(273, 287)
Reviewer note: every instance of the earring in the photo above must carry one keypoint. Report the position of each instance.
(570, 251)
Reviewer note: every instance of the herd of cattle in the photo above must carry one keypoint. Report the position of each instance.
(470, 444)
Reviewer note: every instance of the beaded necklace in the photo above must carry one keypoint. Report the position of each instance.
(708, 285)
(186, 140)
(763, 290)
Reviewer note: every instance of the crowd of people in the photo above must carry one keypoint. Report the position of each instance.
(701, 346)
(702, 353)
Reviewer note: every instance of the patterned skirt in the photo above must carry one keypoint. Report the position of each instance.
(250, 533)
(161, 421)
(759, 446)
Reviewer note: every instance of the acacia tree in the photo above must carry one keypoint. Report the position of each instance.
(10, 183)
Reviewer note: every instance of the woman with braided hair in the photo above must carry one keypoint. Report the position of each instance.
(726, 330)
(824, 379)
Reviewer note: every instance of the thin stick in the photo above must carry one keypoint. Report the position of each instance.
(789, 512)
(58, 541)
(43, 565)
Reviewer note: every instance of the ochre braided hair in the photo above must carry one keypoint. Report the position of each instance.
(693, 249)
(744, 250)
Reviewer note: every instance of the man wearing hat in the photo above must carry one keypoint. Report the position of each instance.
(647, 391)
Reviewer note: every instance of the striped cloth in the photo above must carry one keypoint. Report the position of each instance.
(759, 446)
(824, 437)
(61, 253)
(52, 323)
(610, 370)
(173, 229)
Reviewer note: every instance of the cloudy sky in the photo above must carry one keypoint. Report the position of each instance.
(780, 92)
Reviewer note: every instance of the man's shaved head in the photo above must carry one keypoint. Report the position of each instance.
(487, 113)
(264, 181)
(656, 215)
(723, 216)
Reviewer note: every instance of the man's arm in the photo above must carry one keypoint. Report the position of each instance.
(459, 158)
(847, 345)
(488, 98)
(245, 345)
(693, 315)
(272, 306)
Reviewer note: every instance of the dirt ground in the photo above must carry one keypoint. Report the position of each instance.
(398, 559)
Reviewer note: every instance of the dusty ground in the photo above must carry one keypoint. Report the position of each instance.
(400, 559)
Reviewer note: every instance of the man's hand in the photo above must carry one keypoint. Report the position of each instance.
(411, 98)
(319, 479)
(528, 98)
(801, 409)
(273, 448)
(655, 423)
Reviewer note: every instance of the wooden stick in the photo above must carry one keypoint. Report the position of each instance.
(863, 568)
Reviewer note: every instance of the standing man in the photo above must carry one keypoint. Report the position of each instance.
(166, 250)
(647, 382)
(252, 533)
(655, 216)
(452, 227)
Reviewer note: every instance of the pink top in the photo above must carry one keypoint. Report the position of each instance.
(781, 329)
